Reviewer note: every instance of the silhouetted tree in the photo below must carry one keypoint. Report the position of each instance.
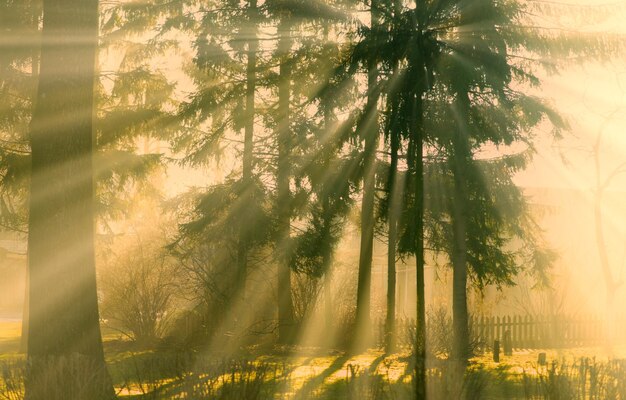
(63, 321)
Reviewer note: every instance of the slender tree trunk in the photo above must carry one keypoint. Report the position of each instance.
(393, 211)
(286, 327)
(35, 78)
(328, 300)
(327, 254)
(64, 342)
(248, 165)
(417, 150)
(460, 163)
(459, 268)
(25, 316)
(371, 127)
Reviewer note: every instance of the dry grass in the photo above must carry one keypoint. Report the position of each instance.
(10, 333)
(306, 374)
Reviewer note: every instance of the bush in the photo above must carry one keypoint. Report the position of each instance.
(137, 290)
(73, 377)
(439, 333)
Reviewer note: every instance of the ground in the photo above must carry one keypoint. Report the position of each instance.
(301, 373)
(10, 332)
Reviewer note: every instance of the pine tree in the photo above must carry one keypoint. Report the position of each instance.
(63, 320)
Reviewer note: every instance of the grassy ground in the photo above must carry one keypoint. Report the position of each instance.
(10, 332)
(314, 374)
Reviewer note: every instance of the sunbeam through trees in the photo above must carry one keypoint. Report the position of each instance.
(289, 199)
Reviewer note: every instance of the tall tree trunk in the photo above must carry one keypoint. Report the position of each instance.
(393, 212)
(370, 126)
(326, 212)
(460, 163)
(286, 329)
(417, 150)
(25, 316)
(328, 298)
(64, 341)
(248, 164)
(35, 78)
(327, 256)
(418, 86)
(394, 204)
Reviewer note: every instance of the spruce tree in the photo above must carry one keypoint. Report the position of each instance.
(64, 332)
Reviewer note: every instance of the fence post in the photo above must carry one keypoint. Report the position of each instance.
(496, 350)
(514, 332)
(506, 341)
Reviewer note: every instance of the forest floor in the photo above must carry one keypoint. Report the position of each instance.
(10, 332)
(315, 374)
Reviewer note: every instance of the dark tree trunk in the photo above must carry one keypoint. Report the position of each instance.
(460, 163)
(327, 256)
(370, 125)
(286, 328)
(328, 298)
(417, 149)
(25, 317)
(64, 342)
(393, 211)
(460, 327)
(35, 58)
(326, 212)
(248, 164)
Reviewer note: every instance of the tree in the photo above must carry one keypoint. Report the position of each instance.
(369, 129)
(19, 68)
(283, 193)
(271, 163)
(64, 321)
(480, 69)
(248, 157)
(119, 118)
(19, 59)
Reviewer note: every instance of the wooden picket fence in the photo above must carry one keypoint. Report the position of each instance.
(525, 331)
(542, 331)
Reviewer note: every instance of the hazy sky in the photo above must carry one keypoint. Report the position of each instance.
(593, 99)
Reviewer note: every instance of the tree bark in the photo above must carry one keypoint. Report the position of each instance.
(286, 329)
(460, 163)
(248, 162)
(25, 316)
(393, 211)
(35, 77)
(417, 148)
(328, 298)
(326, 212)
(64, 342)
(371, 127)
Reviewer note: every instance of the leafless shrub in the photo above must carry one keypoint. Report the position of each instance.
(137, 291)
(305, 294)
(69, 378)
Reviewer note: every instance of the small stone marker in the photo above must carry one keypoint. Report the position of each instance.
(506, 343)
(541, 359)
(496, 350)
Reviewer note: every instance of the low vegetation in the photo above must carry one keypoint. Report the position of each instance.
(141, 372)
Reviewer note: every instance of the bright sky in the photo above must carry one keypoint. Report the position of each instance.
(593, 99)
